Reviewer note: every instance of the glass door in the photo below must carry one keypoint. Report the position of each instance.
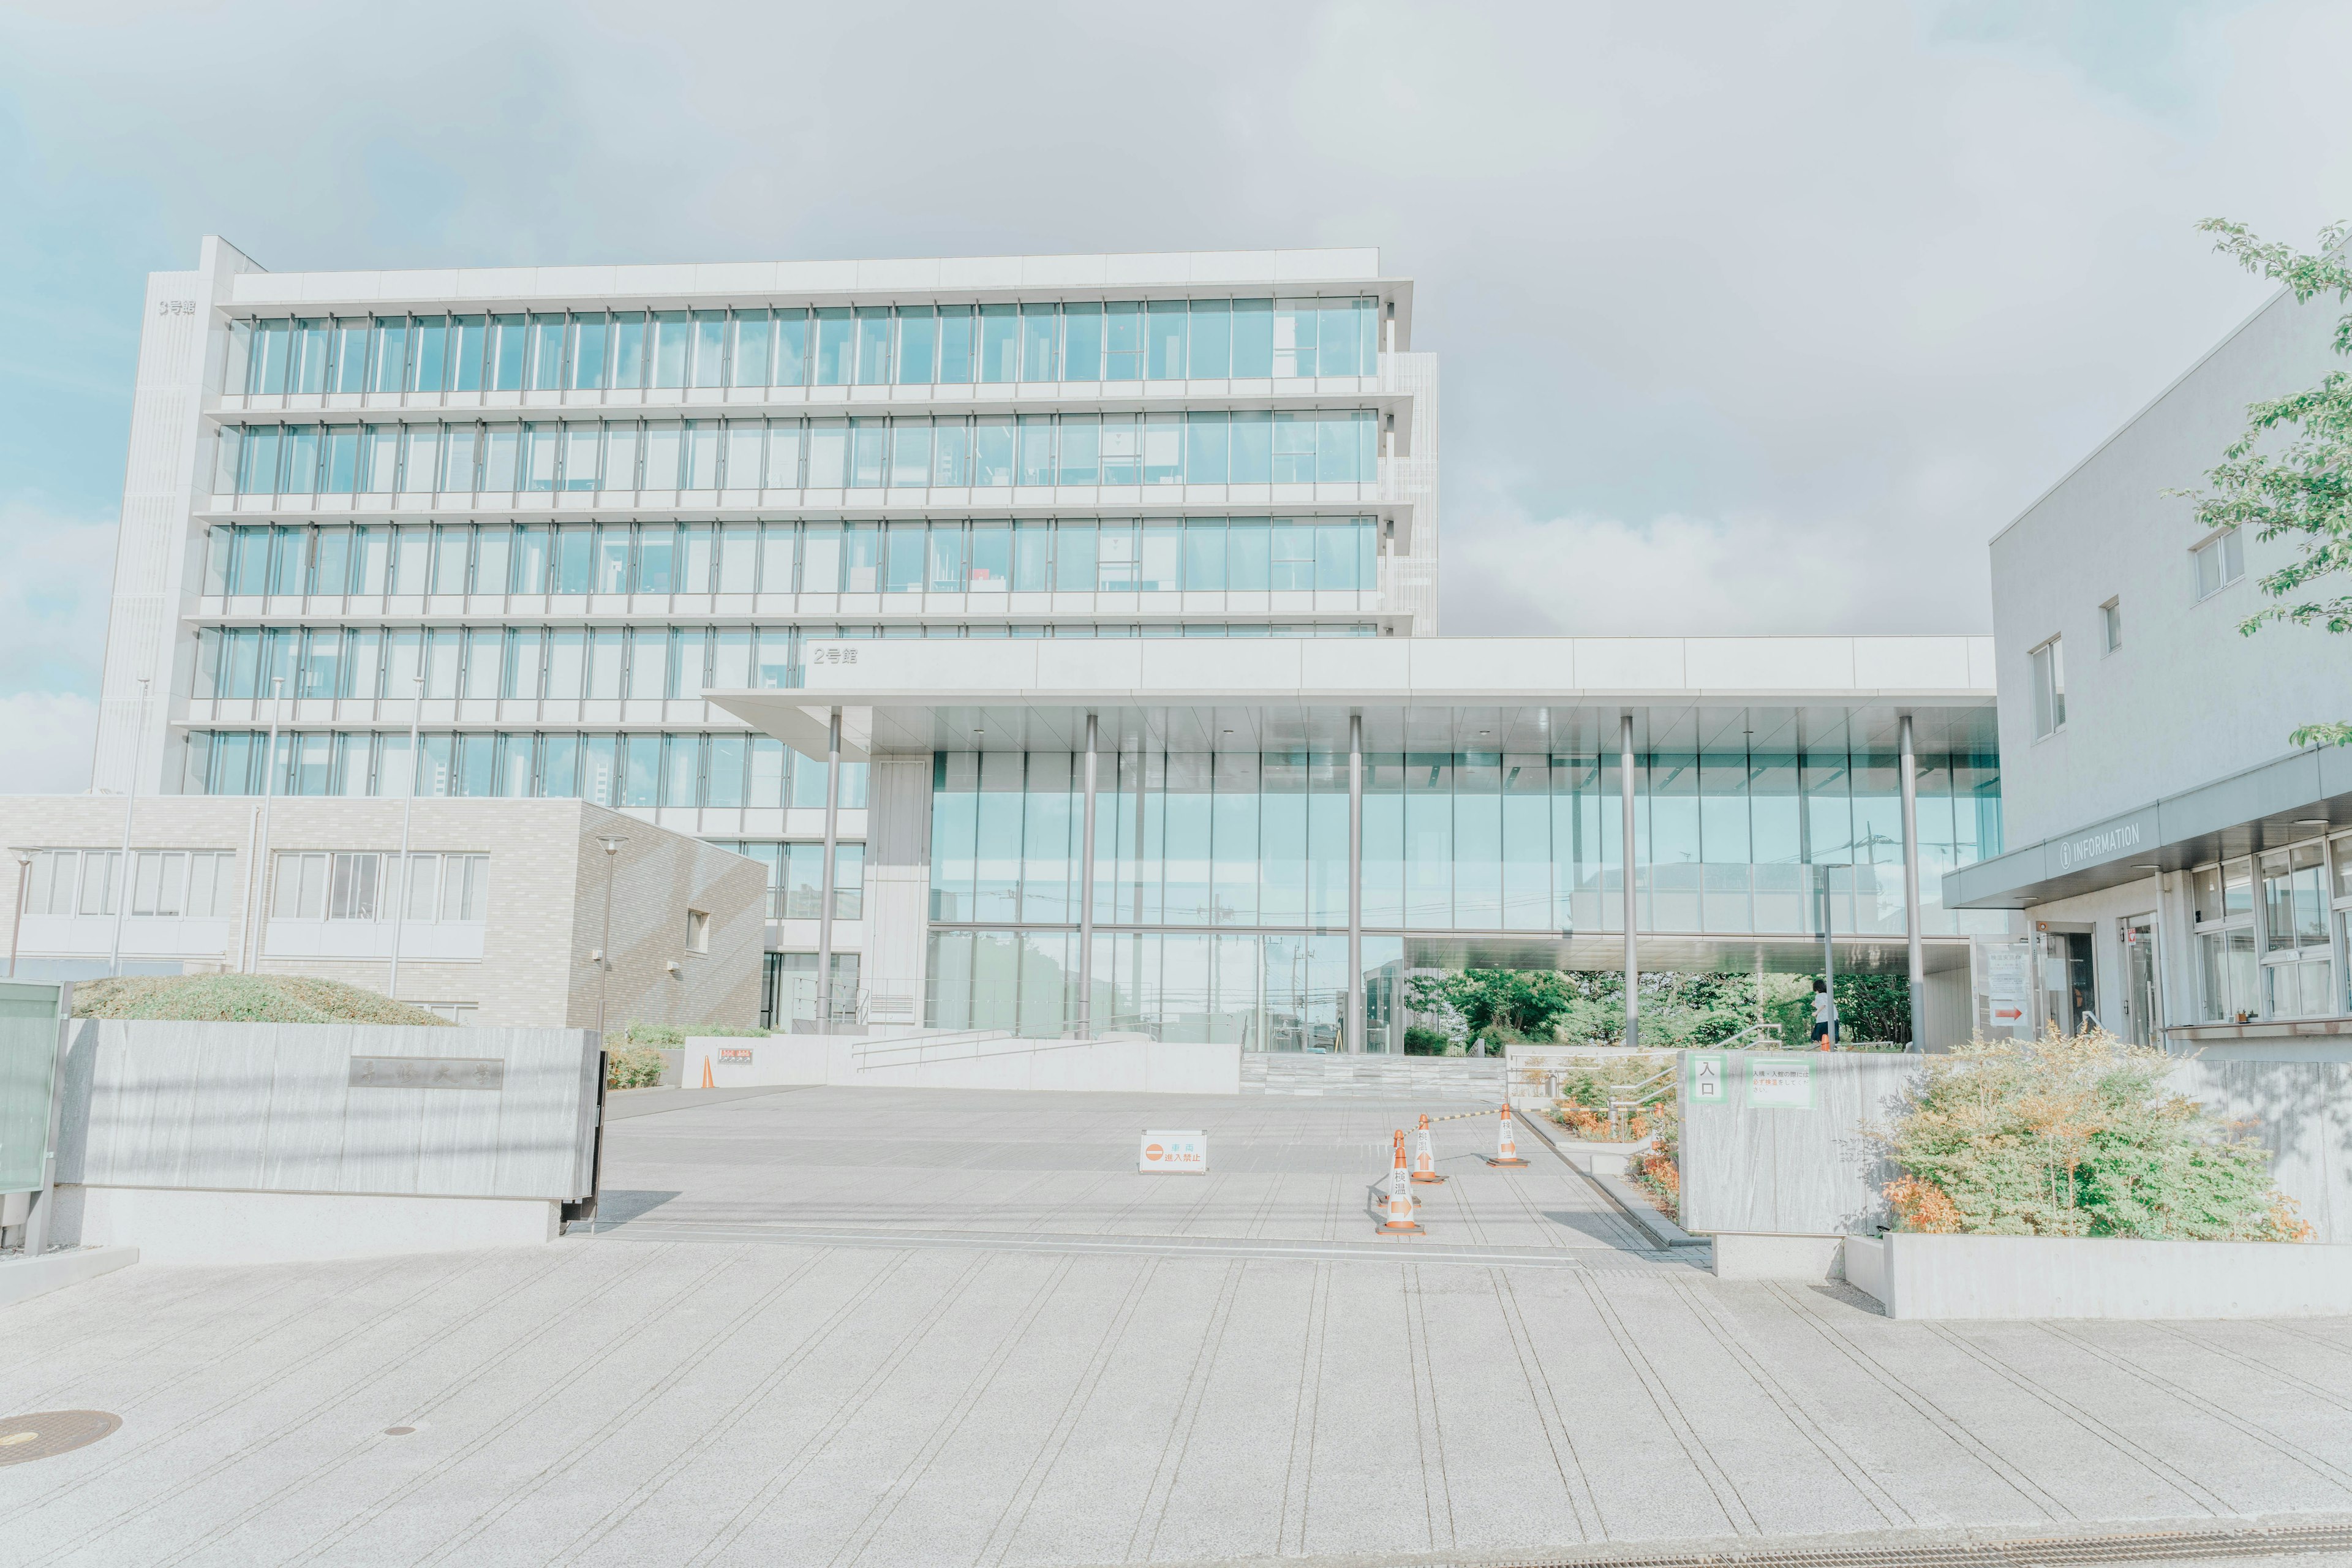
(2139, 1022)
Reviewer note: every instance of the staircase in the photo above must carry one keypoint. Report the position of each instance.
(1474, 1079)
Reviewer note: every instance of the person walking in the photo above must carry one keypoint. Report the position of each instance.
(1824, 1016)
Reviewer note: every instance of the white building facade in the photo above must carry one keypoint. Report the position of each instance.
(2187, 871)
(1060, 631)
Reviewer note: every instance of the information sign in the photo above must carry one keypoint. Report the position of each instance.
(1780, 1083)
(1162, 1152)
(1706, 1078)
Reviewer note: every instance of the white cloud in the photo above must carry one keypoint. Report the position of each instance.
(44, 742)
(1750, 317)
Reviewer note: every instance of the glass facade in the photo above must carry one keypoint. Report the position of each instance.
(1217, 447)
(724, 770)
(1727, 843)
(1123, 556)
(1454, 841)
(605, 663)
(864, 345)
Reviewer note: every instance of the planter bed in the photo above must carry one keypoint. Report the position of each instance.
(1913, 1274)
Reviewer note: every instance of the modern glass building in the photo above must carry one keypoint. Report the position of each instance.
(828, 563)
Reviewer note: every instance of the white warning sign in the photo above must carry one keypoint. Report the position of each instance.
(1162, 1152)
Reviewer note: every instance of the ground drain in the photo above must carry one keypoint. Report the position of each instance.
(2159, 1546)
(51, 1431)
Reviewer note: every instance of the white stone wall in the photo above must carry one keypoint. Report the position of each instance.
(2186, 700)
(181, 346)
(1410, 579)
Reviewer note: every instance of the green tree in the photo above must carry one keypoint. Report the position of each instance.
(1522, 1002)
(2289, 474)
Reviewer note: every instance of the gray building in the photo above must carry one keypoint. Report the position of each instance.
(500, 919)
(2184, 867)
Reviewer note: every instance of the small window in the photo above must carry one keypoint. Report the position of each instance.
(2049, 670)
(697, 931)
(2111, 624)
(2220, 560)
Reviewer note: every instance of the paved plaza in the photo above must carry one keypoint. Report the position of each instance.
(837, 1327)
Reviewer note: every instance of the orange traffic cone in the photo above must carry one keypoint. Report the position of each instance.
(706, 1074)
(1425, 1156)
(1400, 1219)
(1507, 1153)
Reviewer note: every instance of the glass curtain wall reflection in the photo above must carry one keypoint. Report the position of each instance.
(980, 557)
(665, 456)
(865, 345)
(1212, 848)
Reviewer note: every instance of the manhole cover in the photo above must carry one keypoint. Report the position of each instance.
(51, 1431)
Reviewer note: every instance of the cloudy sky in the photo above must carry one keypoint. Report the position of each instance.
(1753, 318)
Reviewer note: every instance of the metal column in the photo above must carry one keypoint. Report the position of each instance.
(1356, 1021)
(1625, 845)
(1917, 950)
(825, 892)
(1087, 895)
(1829, 950)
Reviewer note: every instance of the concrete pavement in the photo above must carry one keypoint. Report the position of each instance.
(872, 1327)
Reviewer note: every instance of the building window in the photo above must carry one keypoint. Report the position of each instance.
(2297, 963)
(323, 885)
(2111, 624)
(166, 884)
(2222, 907)
(697, 931)
(2049, 675)
(2220, 560)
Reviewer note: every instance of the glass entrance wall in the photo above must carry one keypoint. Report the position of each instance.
(1458, 841)
(1220, 878)
(1282, 991)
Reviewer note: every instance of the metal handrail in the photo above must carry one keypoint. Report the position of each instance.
(1625, 1098)
(1763, 1029)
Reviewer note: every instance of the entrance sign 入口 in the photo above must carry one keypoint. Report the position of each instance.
(1161, 1151)
(1779, 1084)
(1706, 1078)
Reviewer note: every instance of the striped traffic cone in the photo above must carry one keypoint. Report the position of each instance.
(1400, 1220)
(706, 1074)
(1507, 1153)
(1425, 1156)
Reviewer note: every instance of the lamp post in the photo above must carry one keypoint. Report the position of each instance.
(612, 843)
(1828, 948)
(129, 799)
(407, 810)
(257, 912)
(24, 887)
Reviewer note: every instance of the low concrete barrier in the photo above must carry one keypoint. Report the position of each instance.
(1134, 1064)
(1914, 1276)
(252, 1142)
(22, 1279)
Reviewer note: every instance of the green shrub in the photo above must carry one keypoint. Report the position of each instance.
(242, 999)
(673, 1036)
(1420, 1040)
(632, 1067)
(2076, 1135)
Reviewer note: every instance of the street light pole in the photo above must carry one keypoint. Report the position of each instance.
(407, 810)
(255, 913)
(612, 843)
(129, 800)
(1828, 948)
(23, 889)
